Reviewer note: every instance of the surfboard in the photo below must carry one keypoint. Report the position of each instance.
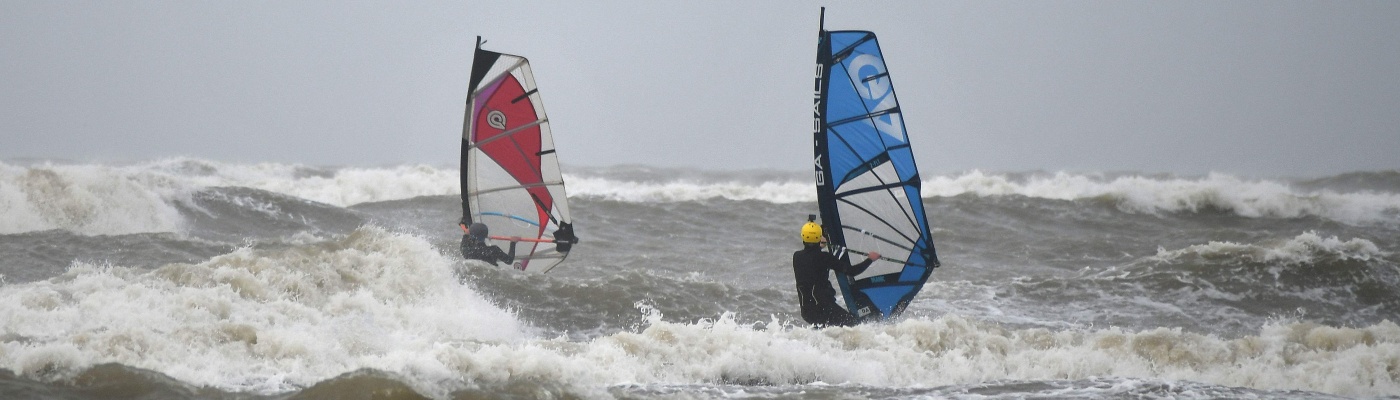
(511, 179)
(868, 187)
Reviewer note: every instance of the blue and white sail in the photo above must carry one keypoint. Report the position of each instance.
(867, 181)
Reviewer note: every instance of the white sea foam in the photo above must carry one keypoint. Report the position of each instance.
(269, 321)
(948, 350)
(254, 320)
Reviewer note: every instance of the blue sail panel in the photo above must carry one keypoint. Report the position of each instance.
(874, 193)
(862, 84)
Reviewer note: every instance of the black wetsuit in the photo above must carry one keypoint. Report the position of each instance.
(477, 249)
(814, 292)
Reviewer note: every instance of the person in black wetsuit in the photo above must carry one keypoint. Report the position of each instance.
(474, 246)
(810, 267)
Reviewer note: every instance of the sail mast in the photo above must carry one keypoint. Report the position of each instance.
(465, 162)
(826, 185)
(826, 194)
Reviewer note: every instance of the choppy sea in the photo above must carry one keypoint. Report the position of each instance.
(188, 278)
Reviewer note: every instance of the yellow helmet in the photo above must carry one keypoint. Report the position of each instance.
(811, 232)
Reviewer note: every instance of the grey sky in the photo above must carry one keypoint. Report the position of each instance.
(1262, 88)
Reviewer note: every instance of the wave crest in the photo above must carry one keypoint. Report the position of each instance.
(146, 197)
(1153, 194)
(87, 200)
(1306, 248)
(1129, 193)
(674, 191)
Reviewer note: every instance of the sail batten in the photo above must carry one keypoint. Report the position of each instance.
(511, 180)
(858, 118)
(475, 89)
(508, 133)
(868, 187)
(513, 187)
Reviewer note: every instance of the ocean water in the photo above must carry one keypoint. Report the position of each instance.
(188, 278)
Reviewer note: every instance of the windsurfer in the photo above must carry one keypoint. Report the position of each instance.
(474, 245)
(814, 291)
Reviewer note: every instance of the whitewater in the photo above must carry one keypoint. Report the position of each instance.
(192, 278)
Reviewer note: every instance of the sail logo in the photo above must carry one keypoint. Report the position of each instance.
(496, 119)
(817, 102)
(817, 123)
(873, 84)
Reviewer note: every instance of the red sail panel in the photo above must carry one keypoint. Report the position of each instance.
(505, 111)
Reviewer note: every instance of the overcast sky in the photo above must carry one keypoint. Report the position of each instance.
(1259, 88)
